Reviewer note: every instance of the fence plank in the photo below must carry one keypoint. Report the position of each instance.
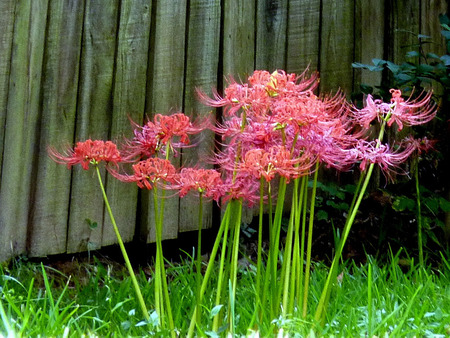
(239, 48)
(166, 92)
(21, 125)
(336, 46)
(93, 120)
(128, 102)
(303, 39)
(201, 71)
(369, 41)
(271, 22)
(50, 208)
(404, 28)
(239, 38)
(6, 38)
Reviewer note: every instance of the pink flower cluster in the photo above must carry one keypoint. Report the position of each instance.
(274, 125)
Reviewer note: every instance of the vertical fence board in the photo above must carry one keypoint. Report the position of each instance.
(336, 46)
(430, 25)
(239, 38)
(6, 38)
(369, 40)
(50, 208)
(271, 21)
(239, 48)
(166, 92)
(128, 102)
(93, 120)
(201, 71)
(21, 125)
(303, 36)
(404, 29)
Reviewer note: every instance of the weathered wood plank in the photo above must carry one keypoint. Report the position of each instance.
(271, 25)
(369, 40)
(430, 25)
(239, 47)
(303, 36)
(50, 207)
(6, 39)
(166, 93)
(405, 17)
(21, 125)
(239, 38)
(93, 119)
(128, 102)
(336, 46)
(201, 71)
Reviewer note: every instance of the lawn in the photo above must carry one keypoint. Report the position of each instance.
(94, 297)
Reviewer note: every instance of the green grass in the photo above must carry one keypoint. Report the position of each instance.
(97, 299)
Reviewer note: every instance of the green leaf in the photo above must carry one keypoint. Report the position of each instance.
(444, 204)
(215, 311)
(393, 67)
(425, 68)
(378, 62)
(404, 77)
(322, 215)
(402, 203)
(432, 204)
(412, 54)
(446, 59)
(446, 34)
(432, 55)
(91, 224)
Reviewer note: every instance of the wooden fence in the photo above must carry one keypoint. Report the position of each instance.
(77, 69)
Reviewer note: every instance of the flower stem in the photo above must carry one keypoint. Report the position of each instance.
(122, 248)
(199, 256)
(321, 307)
(419, 215)
(309, 245)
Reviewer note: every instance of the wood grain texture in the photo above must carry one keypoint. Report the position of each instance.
(93, 120)
(271, 25)
(165, 94)
(21, 125)
(7, 9)
(201, 72)
(336, 46)
(50, 207)
(130, 79)
(369, 40)
(239, 38)
(303, 36)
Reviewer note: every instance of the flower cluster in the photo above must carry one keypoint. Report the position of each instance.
(274, 126)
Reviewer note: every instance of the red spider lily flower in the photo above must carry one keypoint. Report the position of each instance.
(277, 160)
(256, 96)
(388, 160)
(150, 138)
(420, 144)
(88, 152)
(148, 172)
(208, 182)
(241, 186)
(409, 113)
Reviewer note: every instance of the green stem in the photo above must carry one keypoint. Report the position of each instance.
(419, 215)
(199, 255)
(321, 307)
(234, 265)
(122, 248)
(288, 254)
(209, 268)
(309, 245)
